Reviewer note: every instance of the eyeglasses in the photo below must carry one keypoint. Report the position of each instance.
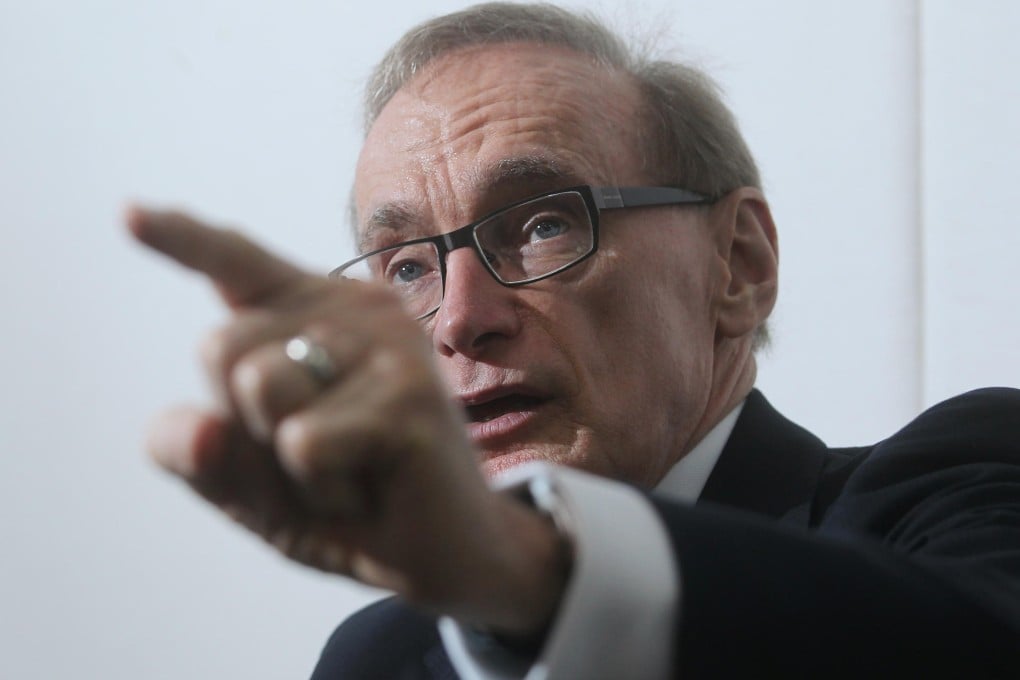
(519, 244)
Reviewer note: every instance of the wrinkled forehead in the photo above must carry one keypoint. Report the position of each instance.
(488, 124)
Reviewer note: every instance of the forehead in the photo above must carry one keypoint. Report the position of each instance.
(508, 117)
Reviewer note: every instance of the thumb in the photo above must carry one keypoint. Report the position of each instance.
(192, 444)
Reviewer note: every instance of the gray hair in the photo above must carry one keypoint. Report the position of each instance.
(690, 138)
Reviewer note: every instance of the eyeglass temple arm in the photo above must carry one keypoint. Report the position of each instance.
(632, 197)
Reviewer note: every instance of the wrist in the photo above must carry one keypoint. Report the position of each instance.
(538, 564)
(514, 583)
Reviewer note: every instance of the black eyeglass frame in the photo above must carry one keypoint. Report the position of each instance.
(596, 199)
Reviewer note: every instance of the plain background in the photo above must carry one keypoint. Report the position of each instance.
(888, 133)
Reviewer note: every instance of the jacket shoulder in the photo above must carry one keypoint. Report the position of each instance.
(981, 426)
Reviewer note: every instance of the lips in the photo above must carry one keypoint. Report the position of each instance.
(499, 406)
(499, 415)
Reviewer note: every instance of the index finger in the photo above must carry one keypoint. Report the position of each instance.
(243, 272)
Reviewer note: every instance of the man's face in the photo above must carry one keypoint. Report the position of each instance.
(607, 367)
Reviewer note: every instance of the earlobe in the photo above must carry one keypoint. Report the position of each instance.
(748, 247)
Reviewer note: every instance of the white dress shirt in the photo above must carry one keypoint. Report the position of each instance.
(619, 607)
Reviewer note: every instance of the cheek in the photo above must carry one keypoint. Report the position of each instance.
(650, 327)
(652, 298)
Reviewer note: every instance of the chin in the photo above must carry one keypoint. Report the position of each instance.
(500, 463)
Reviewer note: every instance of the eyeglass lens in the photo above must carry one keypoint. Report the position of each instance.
(519, 244)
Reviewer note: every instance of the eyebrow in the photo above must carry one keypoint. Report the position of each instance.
(508, 173)
(391, 217)
(524, 170)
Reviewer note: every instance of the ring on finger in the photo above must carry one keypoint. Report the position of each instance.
(313, 357)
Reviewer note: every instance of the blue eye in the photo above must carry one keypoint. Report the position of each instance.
(547, 229)
(407, 271)
(409, 264)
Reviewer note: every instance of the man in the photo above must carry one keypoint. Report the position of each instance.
(572, 264)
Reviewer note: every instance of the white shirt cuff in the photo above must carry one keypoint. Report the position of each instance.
(618, 613)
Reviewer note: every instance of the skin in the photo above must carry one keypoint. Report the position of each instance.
(637, 352)
(639, 365)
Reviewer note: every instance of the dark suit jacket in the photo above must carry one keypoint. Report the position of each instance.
(900, 559)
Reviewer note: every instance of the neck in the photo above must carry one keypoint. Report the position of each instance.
(733, 375)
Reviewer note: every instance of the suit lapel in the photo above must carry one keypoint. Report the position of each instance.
(769, 465)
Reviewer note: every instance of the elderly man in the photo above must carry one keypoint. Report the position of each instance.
(571, 266)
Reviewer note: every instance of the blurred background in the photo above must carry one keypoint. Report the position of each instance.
(888, 132)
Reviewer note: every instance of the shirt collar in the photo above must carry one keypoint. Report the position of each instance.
(688, 476)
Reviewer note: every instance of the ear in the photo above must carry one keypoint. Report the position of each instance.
(749, 252)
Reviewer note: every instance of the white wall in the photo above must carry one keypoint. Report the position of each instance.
(971, 154)
(888, 136)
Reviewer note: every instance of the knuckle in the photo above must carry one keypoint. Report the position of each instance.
(300, 444)
(216, 348)
(322, 329)
(310, 448)
(252, 381)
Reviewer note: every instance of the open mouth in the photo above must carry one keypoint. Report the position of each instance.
(511, 403)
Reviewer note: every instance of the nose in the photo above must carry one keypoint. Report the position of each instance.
(477, 311)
